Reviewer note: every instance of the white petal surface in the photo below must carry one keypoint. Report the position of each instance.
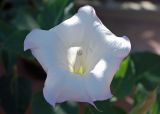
(46, 47)
(64, 87)
(103, 52)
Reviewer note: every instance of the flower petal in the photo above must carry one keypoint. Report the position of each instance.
(119, 46)
(96, 83)
(70, 31)
(116, 46)
(62, 85)
(42, 43)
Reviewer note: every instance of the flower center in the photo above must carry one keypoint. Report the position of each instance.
(76, 60)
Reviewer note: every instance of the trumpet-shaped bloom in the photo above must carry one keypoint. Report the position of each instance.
(80, 57)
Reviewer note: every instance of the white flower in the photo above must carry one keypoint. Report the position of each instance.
(80, 57)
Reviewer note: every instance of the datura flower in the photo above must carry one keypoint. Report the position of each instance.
(80, 57)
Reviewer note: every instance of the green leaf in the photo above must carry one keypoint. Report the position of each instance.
(123, 85)
(24, 21)
(40, 106)
(142, 68)
(104, 107)
(123, 68)
(52, 14)
(14, 43)
(140, 94)
(5, 28)
(147, 69)
(15, 94)
(68, 108)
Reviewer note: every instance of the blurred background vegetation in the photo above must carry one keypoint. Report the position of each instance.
(135, 86)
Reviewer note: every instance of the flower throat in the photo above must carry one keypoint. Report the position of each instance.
(76, 60)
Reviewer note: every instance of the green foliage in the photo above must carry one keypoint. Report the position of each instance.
(104, 107)
(40, 106)
(17, 19)
(145, 103)
(15, 94)
(142, 68)
(52, 14)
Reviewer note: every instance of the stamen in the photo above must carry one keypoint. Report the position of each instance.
(76, 60)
